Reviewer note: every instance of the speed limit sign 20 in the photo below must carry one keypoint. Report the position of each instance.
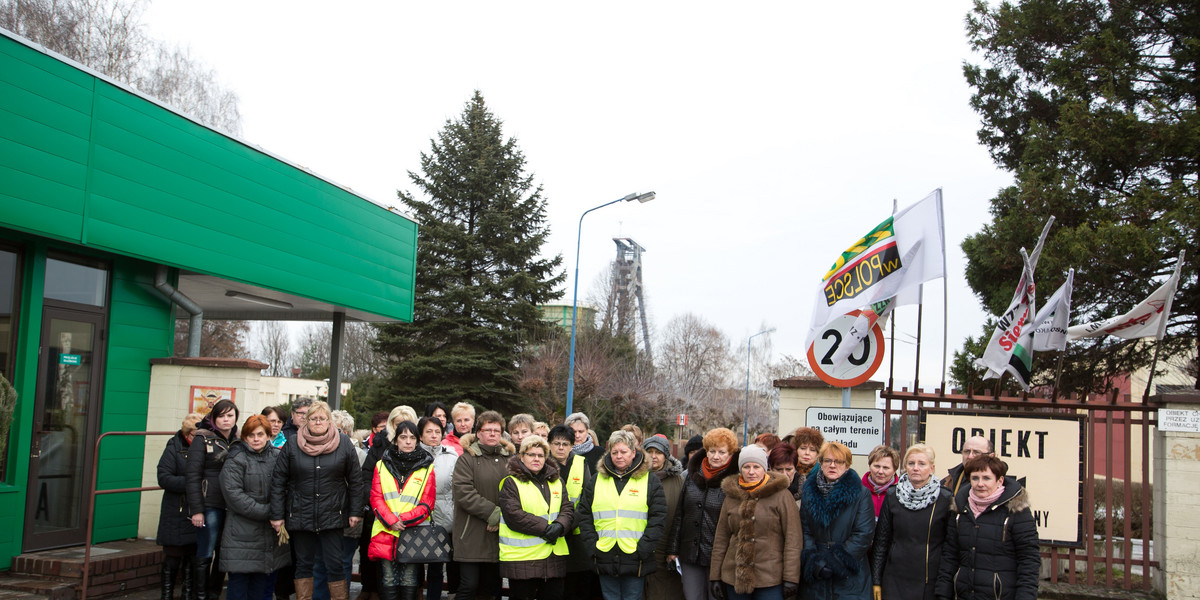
(861, 364)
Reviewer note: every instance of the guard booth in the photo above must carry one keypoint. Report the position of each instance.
(119, 215)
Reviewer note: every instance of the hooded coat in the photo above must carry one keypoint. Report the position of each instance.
(907, 552)
(517, 518)
(755, 545)
(838, 529)
(315, 493)
(476, 489)
(248, 543)
(695, 523)
(614, 562)
(174, 519)
(994, 555)
(206, 457)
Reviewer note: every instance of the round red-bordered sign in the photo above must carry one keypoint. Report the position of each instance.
(861, 364)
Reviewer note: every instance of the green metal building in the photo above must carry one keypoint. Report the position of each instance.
(108, 202)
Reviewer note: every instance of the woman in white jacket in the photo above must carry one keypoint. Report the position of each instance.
(444, 458)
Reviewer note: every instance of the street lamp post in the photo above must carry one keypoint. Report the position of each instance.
(646, 197)
(746, 424)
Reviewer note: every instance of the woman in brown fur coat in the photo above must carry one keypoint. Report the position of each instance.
(752, 556)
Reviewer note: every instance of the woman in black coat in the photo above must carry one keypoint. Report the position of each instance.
(910, 531)
(176, 534)
(314, 481)
(210, 446)
(838, 518)
(695, 524)
(250, 549)
(991, 548)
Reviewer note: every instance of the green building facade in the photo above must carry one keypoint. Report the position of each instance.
(102, 191)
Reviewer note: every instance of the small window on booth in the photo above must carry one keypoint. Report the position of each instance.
(77, 280)
(10, 263)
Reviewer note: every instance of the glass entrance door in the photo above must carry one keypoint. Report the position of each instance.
(66, 415)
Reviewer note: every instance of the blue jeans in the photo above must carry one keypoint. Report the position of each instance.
(627, 587)
(208, 536)
(246, 586)
(349, 547)
(774, 592)
(397, 575)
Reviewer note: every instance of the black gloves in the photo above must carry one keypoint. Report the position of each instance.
(790, 589)
(553, 532)
(716, 589)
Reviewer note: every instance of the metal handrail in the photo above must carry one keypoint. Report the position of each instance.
(91, 513)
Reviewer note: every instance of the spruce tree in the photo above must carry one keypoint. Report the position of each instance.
(480, 275)
(1092, 106)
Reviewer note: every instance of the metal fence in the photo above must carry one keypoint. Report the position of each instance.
(1117, 547)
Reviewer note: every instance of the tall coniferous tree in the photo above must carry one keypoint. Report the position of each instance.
(1092, 106)
(480, 275)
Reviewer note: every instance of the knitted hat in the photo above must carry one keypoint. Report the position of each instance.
(753, 454)
(693, 444)
(659, 442)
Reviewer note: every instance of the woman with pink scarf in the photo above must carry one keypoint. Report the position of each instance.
(884, 462)
(991, 548)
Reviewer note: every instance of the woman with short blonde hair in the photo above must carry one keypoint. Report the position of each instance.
(317, 485)
(911, 531)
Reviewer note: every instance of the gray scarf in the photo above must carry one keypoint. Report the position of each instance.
(585, 447)
(824, 485)
(917, 499)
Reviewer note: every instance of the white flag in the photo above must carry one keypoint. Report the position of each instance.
(1147, 319)
(1052, 320)
(1013, 324)
(859, 274)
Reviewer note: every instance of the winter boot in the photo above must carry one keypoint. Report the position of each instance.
(304, 588)
(339, 590)
(200, 567)
(186, 590)
(166, 574)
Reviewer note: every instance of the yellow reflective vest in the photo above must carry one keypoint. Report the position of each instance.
(516, 546)
(399, 501)
(620, 519)
(574, 483)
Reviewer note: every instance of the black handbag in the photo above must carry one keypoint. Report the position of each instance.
(427, 543)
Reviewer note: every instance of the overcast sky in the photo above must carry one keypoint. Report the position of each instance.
(774, 133)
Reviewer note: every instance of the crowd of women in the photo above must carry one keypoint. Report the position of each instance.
(285, 501)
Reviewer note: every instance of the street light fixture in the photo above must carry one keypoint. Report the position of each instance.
(646, 197)
(746, 424)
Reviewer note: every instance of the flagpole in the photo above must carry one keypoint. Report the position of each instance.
(920, 309)
(1058, 373)
(1162, 327)
(945, 299)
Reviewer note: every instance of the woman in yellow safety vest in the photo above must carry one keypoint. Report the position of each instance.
(403, 492)
(580, 581)
(535, 514)
(622, 515)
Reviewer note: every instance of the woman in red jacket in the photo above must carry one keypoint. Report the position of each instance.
(403, 492)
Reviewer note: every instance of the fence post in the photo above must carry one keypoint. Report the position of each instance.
(1176, 503)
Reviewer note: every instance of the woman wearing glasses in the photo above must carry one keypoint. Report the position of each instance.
(536, 513)
(839, 522)
(317, 489)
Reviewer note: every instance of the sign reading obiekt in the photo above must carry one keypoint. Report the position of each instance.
(1045, 450)
(860, 429)
(1172, 419)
